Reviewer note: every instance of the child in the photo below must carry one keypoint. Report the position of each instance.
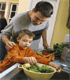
(21, 53)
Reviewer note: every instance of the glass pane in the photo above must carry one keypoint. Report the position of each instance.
(14, 8)
(12, 14)
(0, 5)
(3, 6)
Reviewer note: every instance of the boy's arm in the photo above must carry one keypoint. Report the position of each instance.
(43, 60)
(38, 58)
(54, 65)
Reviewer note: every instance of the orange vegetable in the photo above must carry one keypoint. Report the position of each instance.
(45, 53)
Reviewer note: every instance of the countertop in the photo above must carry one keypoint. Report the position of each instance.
(13, 73)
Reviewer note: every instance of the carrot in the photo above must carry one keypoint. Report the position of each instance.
(45, 53)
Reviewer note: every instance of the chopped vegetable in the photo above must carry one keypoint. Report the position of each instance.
(43, 69)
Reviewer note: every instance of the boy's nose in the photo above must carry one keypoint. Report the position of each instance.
(39, 22)
(27, 43)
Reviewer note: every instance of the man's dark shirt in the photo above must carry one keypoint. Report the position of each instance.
(3, 23)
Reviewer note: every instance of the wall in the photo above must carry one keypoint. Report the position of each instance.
(13, 0)
(23, 6)
(60, 29)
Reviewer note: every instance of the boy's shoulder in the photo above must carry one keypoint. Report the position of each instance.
(15, 47)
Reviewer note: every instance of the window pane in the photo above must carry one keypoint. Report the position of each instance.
(14, 8)
(3, 6)
(12, 14)
(0, 5)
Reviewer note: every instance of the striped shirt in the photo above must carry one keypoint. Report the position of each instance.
(16, 55)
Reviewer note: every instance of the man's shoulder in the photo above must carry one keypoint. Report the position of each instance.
(20, 17)
(20, 14)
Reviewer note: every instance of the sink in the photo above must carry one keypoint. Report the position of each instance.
(57, 76)
(61, 76)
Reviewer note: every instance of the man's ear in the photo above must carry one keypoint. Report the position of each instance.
(33, 9)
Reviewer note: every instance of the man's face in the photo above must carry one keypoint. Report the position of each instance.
(37, 18)
(25, 41)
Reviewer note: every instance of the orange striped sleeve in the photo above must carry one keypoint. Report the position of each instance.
(38, 57)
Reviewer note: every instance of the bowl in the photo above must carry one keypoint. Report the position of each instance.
(35, 75)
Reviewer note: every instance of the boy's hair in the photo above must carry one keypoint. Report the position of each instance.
(25, 32)
(45, 8)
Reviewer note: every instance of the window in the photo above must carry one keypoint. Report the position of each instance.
(2, 7)
(13, 10)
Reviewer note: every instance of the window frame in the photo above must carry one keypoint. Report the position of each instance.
(11, 5)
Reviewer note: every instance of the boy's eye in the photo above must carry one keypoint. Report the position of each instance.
(24, 40)
(30, 41)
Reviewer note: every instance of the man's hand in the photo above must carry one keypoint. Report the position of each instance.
(45, 45)
(9, 45)
(30, 60)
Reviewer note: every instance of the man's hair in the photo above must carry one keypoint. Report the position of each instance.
(45, 8)
(25, 32)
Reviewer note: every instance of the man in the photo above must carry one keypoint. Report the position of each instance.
(3, 23)
(35, 20)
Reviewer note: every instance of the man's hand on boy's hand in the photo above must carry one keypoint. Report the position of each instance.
(30, 60)
(9, 45)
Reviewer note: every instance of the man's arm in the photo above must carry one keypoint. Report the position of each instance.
(5, 35)
(44, 39)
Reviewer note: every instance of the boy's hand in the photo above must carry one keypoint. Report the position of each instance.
(55, 66)
(30, 60)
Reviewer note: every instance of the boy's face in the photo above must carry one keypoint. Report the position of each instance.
(25, 41)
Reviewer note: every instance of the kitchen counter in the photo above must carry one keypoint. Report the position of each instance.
(18, 74)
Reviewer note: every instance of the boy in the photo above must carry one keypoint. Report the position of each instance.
(21, 53)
